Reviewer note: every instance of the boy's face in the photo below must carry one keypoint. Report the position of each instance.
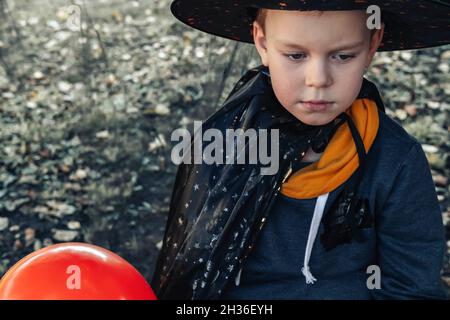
(308, 59)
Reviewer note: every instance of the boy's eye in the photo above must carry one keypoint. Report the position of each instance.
(344, 57)
(340, 57)
(295, 56)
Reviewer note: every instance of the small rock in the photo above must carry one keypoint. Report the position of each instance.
(13, 205)
(162, 109)
(185, 121)
(132, 110)
(4, 222)
(382, 60)
(401, 114)
(72, 186)
(154, 168)
(102, 134)
(32, 21)
(118, 16)
(446, 280)
(111, 80)
(444, 67)
(411, 109)
(68, 97)
(446, 219)
(402, 96)
(436, 161)
(29, 236)
(220, 51)
(53, 24)
(4, 83)
(159, 245)
(31, 105)
(80, 174)
(62, 14)
(38, 75)
(64, 168)
(199, 53)
(8, 95)
(159, 142)
(434, 104)
(72, 225)
(119, 101)
(445, 55)
(37, 245)
(64, 86)
(75, 141)
(65, 235)
(429, 148)
(406, 55)
(126, 57)
(162, 55)
(440, 180)
(41, 210)
(60, 209)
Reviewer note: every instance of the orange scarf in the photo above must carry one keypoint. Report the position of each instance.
(340, 158)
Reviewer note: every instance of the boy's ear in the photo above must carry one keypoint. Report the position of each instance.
(375, 43)
(259, 39)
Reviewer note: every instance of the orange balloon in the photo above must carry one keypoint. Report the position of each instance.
(74, 271)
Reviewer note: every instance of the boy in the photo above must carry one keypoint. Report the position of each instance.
(347, 173)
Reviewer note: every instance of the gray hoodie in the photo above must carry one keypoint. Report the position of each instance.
(406, 244)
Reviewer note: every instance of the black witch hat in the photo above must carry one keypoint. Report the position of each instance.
(409, 24)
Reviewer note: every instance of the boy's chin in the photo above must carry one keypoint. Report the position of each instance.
(313, 118)
(316, 120)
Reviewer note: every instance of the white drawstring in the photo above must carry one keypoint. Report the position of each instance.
(237, 280)
(315, 222)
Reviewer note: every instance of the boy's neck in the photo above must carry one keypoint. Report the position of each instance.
(311, 156)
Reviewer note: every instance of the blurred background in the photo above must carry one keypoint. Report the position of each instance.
(90, 92)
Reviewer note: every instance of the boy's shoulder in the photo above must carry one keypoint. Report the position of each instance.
(390, 131)
(393, 144)
(394, 155)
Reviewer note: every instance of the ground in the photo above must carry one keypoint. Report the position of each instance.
(87, 111)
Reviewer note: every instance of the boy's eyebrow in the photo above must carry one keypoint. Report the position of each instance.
(297, 46)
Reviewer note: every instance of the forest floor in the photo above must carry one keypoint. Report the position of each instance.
(87, 111)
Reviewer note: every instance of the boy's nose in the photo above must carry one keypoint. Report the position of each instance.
(317, 75)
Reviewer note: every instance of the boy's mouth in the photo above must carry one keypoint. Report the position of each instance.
(316, 105)
(317, 101)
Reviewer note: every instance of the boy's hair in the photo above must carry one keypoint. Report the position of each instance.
(262, 13)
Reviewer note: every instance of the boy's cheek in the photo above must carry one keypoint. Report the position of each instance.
(283, 91)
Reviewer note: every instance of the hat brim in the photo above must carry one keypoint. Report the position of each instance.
(408, 24)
